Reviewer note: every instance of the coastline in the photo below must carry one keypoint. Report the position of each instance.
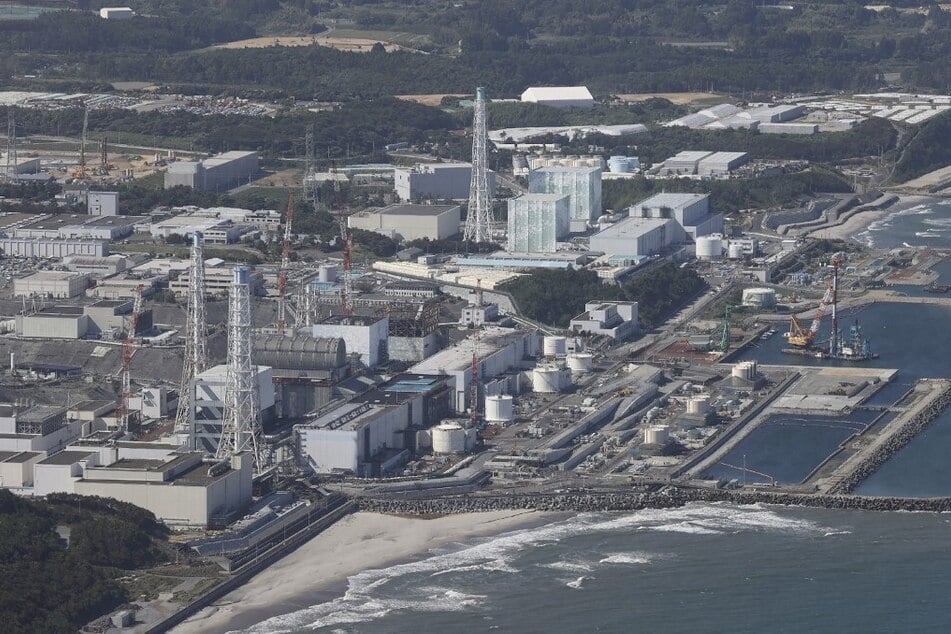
(318, 570)
(860, 221)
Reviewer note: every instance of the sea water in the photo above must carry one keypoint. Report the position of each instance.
(926, 224)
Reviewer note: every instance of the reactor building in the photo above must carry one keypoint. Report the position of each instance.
(536, 222)
(582, 185)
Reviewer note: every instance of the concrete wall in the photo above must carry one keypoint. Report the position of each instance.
(412, 349)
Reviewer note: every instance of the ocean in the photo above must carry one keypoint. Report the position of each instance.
(711, 567)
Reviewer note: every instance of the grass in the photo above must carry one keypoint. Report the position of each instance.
(187, 596)
(150, 586)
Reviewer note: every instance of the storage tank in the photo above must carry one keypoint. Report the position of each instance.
(449, 438)
(555, 346)
(619, 165)
(656, 435)
(745, 370)
(327, 273)
(709, 247)
(698, 406)
(759, 297)
(549, 379)
(735, 251)
(499, 409)
(580, 362)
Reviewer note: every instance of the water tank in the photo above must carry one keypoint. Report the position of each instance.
(499, 409)
(555, 346)
(698, 406)
(327, 273)
(449, 438)
(735, 251)
(549, 379)
(580, 362)
(745, 370)
(656, 435)
(302, 353)
(759, 297)
(709, 247)
(619, 165)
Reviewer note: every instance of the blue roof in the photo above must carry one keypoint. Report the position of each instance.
(522, 263)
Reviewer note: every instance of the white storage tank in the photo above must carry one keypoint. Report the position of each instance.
(327, 273)
(555, 347)
(656, 435)
(759, 297)
(449, 438)
(619, 165)
(698, 405)
(580, 362)
(499, 409)
(735, 251)
(709, 247)
(745, 370)
(550, 379)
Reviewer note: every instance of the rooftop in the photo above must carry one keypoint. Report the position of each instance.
(673, 201)
(631, 227)
(416, 210)
(557, 92)
(540, 198)
(67, 457)
(23, 456)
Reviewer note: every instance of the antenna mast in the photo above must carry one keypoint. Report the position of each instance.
(196, 358)
(285, 265)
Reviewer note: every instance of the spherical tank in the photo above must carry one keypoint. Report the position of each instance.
(555, 346)
(499, 409)
(327, 273)
(656, 435)
(580, 362)
(449, 438)
(709, 248)
(735, 251)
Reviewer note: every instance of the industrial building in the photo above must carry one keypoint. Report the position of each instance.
(96, 267)
(789, 128)
(617, 320)
(437, 181)
(218, 173)
(691, 211)
(410, 222)
(559, 96)
(364, 336)
(106, 318)
(116, 13)
(42, 429)
(55, 284)
(52, 248)
(102, 203)
(217, 279)
(536, 222)
(374, 433)
(718, 164)
(71, 227)
(208, 400)
(582, 185)
(638, 237)
(305, 370)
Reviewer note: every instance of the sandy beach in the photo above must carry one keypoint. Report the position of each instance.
(858, 222)
(319, 569)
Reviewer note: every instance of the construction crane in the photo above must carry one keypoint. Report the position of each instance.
(346, 294)
(724, 345)
(80, 173)
(474, 385)
(799, 337)
(128, 349)
(834, 338)
(10, 173)
(309, 183)
(104, 166)
(285, 266)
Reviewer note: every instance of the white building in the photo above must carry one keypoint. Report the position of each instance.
(559, 96)
(56, 284)
(96, 267)
(536, 222)
(208, 398)
(690, 211)
(218, 173)
(438, 181)
(479, 316)
(116, 13)
(183, 225)
(365, 336)
(582, 185)
(102, 203)
(52, 248)
(638, 237)
(40, 429)
(617, 320)
(410, 222)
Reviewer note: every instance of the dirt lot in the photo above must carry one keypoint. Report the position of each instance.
(351, 44)
(428, 100)
(679, 98)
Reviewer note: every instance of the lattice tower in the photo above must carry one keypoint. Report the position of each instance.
(196, 355)
(478, 226)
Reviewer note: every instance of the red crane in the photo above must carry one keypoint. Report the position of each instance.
(128, 350)
(285, 265)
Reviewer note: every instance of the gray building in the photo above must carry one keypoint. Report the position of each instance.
(102, 203)
(690, 211)
(448, 181)
(721, 163)
(581, 184)
(638, 237)
(536, 222)
(617, 320)
(218, 173)
(52, 248)
(410, 222)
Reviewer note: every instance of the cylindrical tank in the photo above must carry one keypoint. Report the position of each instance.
(548, 379)
(759, 297)
(709, 248)
(735, 251)
(300, 352)
(449, 438)
(580, 362)
(745, 370)
(499, 409)
(555, 346)
(698, 405)
(619, 165)
(656, 435)
(327, 273)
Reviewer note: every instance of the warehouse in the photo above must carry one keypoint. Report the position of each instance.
(55, 284)
(52, 248)
(116, 13)
(365, 336)
(437, 181)
(102, 228)
(96, 267)
(536, 222)
(559, 96)
(215, 174)
(582, 185)
(638, 237)
(777, 114)
(789, 128)
(183, 226)
(102, 203)
(411, 222)
(720, 164)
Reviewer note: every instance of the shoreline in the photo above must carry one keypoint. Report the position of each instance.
(319, 570)
(859, 222)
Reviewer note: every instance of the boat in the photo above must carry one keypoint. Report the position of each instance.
(937, 288)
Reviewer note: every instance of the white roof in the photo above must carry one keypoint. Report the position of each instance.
(557, 93)
(632, 227)
(672, 200)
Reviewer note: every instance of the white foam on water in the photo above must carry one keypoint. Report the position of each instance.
(836, 533)
(576, 584)
(569, 566)
(635, 557)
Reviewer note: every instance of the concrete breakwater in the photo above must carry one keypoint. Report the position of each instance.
(880, 455)
(669, 497)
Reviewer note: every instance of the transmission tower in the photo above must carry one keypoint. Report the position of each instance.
(479, 216)
(196, 357)
(81, 172)
(310, 167)
(285, 266)
(9, 173)
(241, 419)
